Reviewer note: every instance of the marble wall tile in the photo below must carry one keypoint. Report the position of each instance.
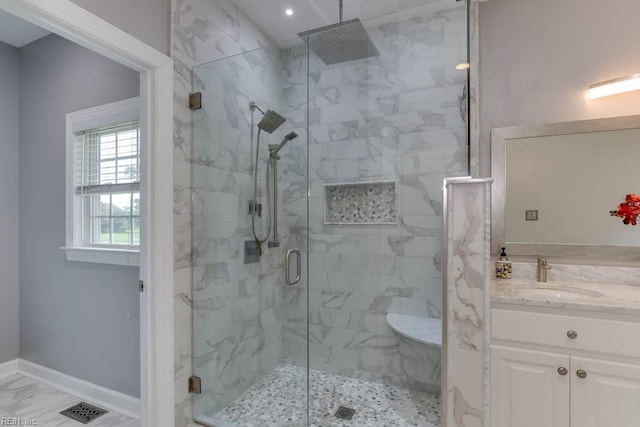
(217, 158)
(468, 310)
(394, 118)
(237, 320)
(474, 90)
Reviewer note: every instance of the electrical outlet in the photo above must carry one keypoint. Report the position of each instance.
(531, 215)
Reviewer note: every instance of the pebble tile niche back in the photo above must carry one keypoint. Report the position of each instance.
(361, 203)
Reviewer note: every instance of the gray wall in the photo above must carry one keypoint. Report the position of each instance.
(539, 57)
(78, 318)
(9, 205)
(147, 20)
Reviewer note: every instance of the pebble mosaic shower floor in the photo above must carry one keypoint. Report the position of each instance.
(279, 399)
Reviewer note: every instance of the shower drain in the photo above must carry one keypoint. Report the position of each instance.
(344, 413)
(83, 412)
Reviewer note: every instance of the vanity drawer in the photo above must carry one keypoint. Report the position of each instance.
(597, 335)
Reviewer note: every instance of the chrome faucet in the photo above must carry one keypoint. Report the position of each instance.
(542, 270)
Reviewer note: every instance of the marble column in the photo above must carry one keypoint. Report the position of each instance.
(466, 329)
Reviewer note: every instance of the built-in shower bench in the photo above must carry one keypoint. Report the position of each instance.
(426, 330)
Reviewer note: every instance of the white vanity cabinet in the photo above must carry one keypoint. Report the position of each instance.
(608, 396)
(562, 370)
(526, 389)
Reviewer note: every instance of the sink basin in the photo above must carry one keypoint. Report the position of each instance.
(603, 297)
(562, 291)
(558, 291)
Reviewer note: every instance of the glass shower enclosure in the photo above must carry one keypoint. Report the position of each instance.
(317, 222)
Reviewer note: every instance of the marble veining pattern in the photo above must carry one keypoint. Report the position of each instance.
(595, 297)
(394, 118)
(279, 399)
(581, 273)
(468, 308)
(201, 31)
(237, 321)
(27, 400)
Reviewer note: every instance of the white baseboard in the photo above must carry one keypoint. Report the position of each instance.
(92, 393)
(8, 368)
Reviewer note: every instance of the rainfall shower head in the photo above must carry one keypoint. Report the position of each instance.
(271, 121)
(341, 42)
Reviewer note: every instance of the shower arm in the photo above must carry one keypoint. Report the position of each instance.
(253, 106)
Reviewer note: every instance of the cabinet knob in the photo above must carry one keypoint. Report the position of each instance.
(563, 371)
(572, 334)
(581, 374)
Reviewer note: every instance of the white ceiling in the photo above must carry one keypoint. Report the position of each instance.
(309, 14)
(17, 32)
(267, 14)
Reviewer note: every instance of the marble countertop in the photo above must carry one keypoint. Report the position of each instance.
(596, 297)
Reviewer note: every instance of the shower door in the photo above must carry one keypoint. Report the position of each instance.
(387, 123)
(379, 113)
(250, 325)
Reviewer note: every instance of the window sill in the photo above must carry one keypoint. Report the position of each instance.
(128, 257)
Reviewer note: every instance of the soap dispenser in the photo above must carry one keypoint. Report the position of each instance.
(503, 266)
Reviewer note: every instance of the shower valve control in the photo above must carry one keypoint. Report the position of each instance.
(252, 252)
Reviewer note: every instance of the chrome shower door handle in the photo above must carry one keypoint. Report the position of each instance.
(287, 267)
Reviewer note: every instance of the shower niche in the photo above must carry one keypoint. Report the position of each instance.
(361, 203)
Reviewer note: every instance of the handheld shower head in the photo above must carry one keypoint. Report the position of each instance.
(290, 136)
(274, 149)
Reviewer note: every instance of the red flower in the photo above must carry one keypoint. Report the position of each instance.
(628, 210)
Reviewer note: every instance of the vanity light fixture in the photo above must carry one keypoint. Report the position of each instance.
(288, 12)
(615, 86)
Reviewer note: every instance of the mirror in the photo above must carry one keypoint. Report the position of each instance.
(555, 185)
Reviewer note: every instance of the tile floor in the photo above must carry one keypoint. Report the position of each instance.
(279, 399)
(25, 400)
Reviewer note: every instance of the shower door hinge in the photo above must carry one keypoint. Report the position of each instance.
(141, 285)
(195, 385)
(195, 100)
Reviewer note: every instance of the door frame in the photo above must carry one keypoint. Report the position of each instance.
(74, 23)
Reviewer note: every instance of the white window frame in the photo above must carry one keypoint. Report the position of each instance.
(76, 123)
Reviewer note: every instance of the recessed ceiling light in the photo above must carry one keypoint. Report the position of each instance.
(288, 12)
(463, 66)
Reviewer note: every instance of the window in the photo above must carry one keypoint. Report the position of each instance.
(103, 184)
(107, 168)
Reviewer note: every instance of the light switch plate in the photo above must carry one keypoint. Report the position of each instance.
(531, 215)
